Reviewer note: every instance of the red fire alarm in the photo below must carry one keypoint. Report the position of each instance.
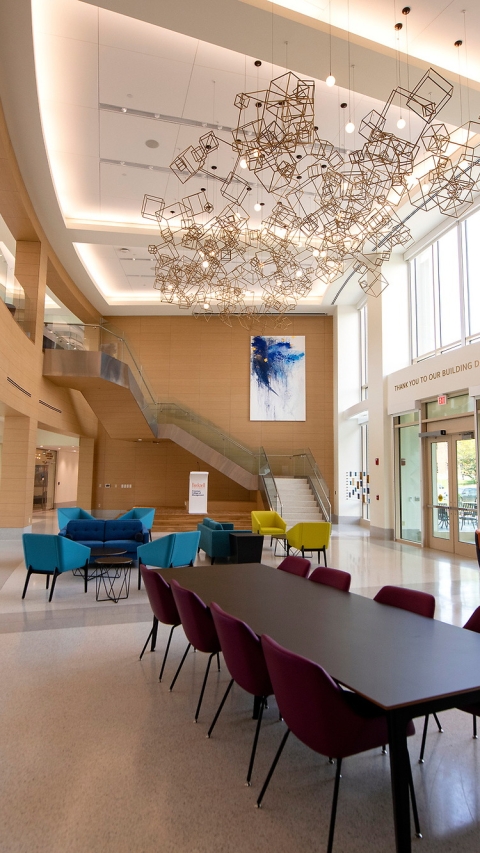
(377, 461)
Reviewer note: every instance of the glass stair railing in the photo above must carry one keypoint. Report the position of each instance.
(112, 342)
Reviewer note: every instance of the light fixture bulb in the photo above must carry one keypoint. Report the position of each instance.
(315, 253)
(243, 163)
(206, 305)
(330, 81)
(257, 206)
(401, 123)
(323, 254)
(205, 265)
(350, 127)
(298, 274)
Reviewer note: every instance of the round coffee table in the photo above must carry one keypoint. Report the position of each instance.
(109, 570)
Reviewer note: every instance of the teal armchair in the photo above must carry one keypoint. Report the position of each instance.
(71, 513)
(157, 553)
(47, 554)
(145, 514)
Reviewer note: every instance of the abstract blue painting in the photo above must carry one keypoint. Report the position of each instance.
(277, 378)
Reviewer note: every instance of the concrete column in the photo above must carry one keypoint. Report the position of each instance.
(85, 472)
(388, 350)
(31, 273)
(347, 393)
(18, 470)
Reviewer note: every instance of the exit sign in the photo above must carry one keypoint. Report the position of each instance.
(442, 401)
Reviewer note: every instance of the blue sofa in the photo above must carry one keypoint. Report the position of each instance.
(96, 533)
(215, 538)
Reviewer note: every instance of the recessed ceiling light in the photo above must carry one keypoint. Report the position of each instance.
(124, 109)
(157, 115)
(152, 143)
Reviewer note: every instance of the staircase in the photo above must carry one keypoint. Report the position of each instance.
(297, 500)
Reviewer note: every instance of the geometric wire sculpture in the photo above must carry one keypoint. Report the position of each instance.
(327, 209)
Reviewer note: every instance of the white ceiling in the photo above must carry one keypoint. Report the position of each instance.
(91, 63)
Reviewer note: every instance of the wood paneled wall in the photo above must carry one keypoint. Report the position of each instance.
(206, 367)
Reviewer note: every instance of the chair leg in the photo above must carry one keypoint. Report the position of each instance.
(475, 727)
(139, 581)
(218, 661)
(166, 651)
(439, 725)
(146, 644)
(219, 709)
(54, 580)
(200, 700)
(212, 560)
(421, 759)
(47, 582)
(272, 769)
(324, 555)
(85, 578)
(29, 572)
(255, 740)
(413, 798)
(179, 668)
(154, 634)
(303, 551)
(333, 815)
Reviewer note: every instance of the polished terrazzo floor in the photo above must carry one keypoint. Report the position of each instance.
(96, 755)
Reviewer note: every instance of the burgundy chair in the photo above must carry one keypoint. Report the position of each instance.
(329, 720)
(332, 577)
(164, 609)
(418, 602)
(477, 547)
(243, 654)
(199, 628)
(472, 624)
(295, 566)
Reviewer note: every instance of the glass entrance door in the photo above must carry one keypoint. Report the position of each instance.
(452, 498)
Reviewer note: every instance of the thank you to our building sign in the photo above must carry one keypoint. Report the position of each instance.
(437, 374)
(456, 370)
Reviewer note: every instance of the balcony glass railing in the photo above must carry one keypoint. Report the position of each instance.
(12, 294)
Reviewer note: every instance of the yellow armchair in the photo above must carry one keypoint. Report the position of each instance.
(268, 523)
(310, 536)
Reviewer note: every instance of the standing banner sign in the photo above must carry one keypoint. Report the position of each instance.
(198, 492)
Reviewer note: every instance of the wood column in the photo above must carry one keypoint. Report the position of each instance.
(85, 472)
(18, 470)
(31, 273)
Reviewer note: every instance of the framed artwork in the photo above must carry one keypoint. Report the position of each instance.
(277, 378)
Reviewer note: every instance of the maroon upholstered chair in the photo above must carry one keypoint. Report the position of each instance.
(164, 609)
(326, 718)
(332, 577)
(295, 566)
(243, 654)
(418, 602)
(413, 600)
(199, 628)
(472, 624)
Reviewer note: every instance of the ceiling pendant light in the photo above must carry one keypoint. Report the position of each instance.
(349, 127)
(330, 81)
(257, 206)
(401, 123)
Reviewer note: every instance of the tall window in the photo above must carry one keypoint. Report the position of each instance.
(438, 317)
(363, 353)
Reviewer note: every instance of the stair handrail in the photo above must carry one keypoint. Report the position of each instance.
(317, 481)
(267, 480)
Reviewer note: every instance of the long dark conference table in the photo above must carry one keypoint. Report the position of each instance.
(406, 664)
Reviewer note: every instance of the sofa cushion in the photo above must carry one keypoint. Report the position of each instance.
(122, 529)
(83, 530)
(91, 543)
(128, 545)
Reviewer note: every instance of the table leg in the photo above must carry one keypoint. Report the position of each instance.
(257, 701)
(397, 727)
